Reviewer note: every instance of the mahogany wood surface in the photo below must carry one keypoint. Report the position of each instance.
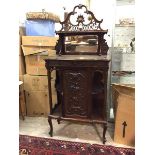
(81, 80)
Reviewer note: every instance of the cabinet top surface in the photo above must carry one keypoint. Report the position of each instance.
(93, 32)
(79, 58)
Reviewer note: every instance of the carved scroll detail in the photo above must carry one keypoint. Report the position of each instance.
(85, 21)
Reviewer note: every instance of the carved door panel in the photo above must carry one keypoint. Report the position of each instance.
(77, 93)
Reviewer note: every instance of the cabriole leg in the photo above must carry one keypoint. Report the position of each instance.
(51, 126)
(104, 132)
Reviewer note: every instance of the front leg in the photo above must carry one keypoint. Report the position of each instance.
(104, 132)
(51, 126)
(58, 120)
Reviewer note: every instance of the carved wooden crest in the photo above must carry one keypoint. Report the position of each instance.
(80, 19)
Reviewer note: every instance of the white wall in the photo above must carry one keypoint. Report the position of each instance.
(125, 11)
(105, 9)
(69, 4)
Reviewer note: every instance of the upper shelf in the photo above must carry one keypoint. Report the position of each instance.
(90, 32)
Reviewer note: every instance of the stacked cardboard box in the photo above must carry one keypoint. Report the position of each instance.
(22, 71)
(36, 92)
(35, 49)
(21, 55)
(22, 105)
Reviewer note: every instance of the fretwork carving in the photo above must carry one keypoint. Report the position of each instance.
(81, 19)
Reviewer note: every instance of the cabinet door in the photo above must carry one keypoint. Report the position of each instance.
(76, 93)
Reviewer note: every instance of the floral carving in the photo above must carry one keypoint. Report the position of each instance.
(76, 86)
(85, 20)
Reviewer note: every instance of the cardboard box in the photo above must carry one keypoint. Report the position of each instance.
(22, 100)
(124, 101)
(39, 41)
(35, 49)
(37, 103)
(20, 48)
(38, 83)
(43, 16)
(22, 69)
(27, 50)
(21, 78)
(35, 65)
(21, 33)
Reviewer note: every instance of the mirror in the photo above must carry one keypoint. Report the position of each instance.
(81, 44)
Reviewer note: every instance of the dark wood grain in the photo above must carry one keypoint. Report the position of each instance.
(81, 27)
(81, 80)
